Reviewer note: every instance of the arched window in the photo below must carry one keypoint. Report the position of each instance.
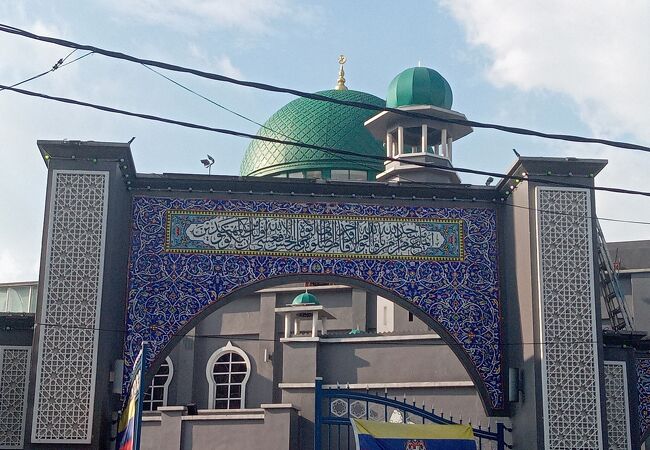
(228, 371)
(156, 394)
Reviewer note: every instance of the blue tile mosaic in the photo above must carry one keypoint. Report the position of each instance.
(168, 287)
(643, 377)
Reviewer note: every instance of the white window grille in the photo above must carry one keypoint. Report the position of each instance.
(228, 370)
(156, 394)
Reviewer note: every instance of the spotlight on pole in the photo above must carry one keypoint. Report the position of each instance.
(207, 163)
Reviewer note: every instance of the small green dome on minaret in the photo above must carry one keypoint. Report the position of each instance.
(305, 299)
(419, 86)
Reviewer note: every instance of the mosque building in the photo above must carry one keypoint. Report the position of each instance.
(320, 286)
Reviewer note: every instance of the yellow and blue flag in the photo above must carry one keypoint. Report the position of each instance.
(128, 429)
(371, 435)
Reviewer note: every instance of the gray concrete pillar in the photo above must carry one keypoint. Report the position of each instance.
(171, 427)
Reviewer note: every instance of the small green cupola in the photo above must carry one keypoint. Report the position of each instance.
(425, 137)
(305, 299)
(419, 86)
(304, 307)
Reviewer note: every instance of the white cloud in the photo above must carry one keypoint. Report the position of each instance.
(19, 267)
(256, 16)
(10, 269)
(221, 64)
(593, 52)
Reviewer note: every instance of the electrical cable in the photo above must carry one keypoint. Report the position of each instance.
(258, 339)
(271, 88)
(316, 147)
(182, 86)
(60, 63)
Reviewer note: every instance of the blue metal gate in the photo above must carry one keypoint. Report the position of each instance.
(336, 406)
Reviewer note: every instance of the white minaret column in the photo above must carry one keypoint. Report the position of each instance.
(443, 143)
(400, 140)
(287, 325)
(389, 144)
(314, 324)
(449, 141)
(424, 138)
(296, 325)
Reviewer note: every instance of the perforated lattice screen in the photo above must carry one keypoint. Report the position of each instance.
(569, 350)
(14, 376)
(65, 378)
(617, 406)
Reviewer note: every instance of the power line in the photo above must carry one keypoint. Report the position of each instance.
(271, 88)
(317, 147)
(60, 63)
(182, 86)
(97, 50)
(259, 339)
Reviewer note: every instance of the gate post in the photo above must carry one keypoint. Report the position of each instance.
(82, 285)
(501, 438)
(318, 411)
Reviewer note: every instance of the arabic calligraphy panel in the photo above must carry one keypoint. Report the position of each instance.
(314, 235)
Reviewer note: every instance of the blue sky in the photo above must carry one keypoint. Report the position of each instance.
(578, 68)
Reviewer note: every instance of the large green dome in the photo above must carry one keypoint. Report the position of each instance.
(419, 86)
(319, 123)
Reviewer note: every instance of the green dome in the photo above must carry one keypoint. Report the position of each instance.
(419, 86)
(319, 123)
(305, 299)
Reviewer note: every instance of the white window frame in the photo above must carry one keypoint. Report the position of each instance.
(165, 386)
(212, 385)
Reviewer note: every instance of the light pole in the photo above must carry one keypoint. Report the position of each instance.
(208, 163)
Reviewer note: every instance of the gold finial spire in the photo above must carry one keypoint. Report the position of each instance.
(340, 83)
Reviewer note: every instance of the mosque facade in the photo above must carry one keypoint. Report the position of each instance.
(374, 269)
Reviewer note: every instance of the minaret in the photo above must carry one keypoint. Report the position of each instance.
(407, 139)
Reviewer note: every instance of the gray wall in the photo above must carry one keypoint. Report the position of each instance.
(274, 427)
(16, 329)
(519, 291)
(377, 362)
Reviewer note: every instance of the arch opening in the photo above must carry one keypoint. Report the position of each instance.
(459, 352)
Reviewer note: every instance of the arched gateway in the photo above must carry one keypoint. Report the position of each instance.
(506, 274)
(189, 254)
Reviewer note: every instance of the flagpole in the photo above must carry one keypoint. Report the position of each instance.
(140, 406)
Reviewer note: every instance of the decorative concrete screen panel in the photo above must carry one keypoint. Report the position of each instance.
(570, 383)
(68, 333)
(187, 254)
(14, 378)
(643, 386)
(617, 406)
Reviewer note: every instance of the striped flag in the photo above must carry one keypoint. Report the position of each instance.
(128, 429)
(371, 435)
